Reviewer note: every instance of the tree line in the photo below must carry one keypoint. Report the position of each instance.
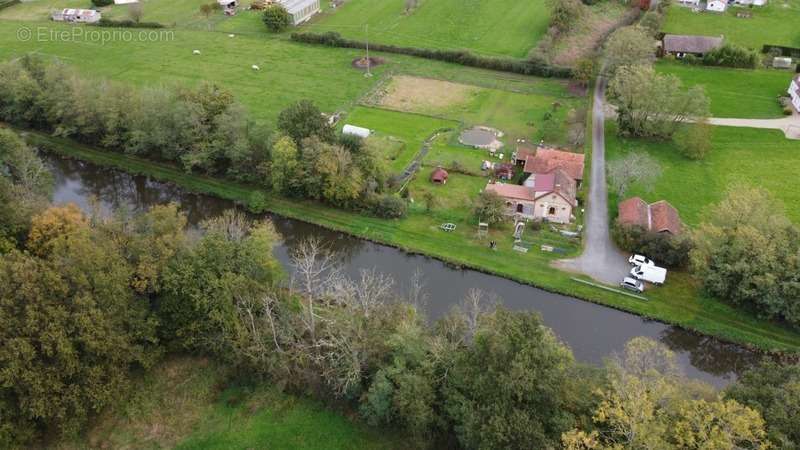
(89, 301)
(203, 130)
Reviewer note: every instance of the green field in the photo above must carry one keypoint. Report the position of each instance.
(679, 302)
(188, 403)
(756, 157)
(775, 23)
(492, 27)
(742, 93)
(411, 129)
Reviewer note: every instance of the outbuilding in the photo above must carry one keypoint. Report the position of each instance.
(717, 5)
(356, 131)
(439, 176)
(680, 45)
(794, 92)
(77, 15)
(300, 10)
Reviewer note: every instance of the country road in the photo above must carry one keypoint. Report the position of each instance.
(601, 259)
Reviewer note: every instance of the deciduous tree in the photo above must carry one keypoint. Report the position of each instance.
(634, 168)
(629, 46)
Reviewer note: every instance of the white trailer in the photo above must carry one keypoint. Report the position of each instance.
(651, 274)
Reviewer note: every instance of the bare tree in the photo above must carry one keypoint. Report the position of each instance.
(232, 224)
(636, 167)
(474, 305)
(416, 295)
(136, 12)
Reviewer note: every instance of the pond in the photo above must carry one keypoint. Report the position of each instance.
(592, 331)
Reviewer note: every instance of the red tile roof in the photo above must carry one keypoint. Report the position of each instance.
(511, 191)
(658, 217)
(664, 218)
(547, 159)
(634, 211)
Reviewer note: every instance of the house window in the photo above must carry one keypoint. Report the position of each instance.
(552, 211)
(519, 207)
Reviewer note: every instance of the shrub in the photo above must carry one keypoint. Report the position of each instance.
(257, 202)
(671, 251)
(127, 23)
(388, 206)
(694, 140)
(489, 207)
(730, 55)
(100, 3)
(276, 18)
(531, 66)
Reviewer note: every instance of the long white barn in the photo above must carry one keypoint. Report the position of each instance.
(300, 10)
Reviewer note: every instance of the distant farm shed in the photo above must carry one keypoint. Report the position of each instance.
(77, 15)
(356, 131)
(658, 217)
(681, 45)
(300, 10)
(439, 176)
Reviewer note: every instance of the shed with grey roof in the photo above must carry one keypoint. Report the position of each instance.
(681, 45)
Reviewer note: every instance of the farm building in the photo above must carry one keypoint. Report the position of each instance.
(549, 197)
(77, 15)
(300, 10)
(439, 176)
(794, 92)
(522, 153)
(780, 62)
(356, 131)
(750, 2)
(693, 3)
(504, 171)
(658, 217)
(547, 160)
(681, 45)
(717, 5)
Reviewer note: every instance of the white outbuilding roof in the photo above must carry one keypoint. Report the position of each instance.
(356, 131)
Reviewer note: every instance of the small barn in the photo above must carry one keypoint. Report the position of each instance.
(680, 45)
(439, 176)
(356, 131)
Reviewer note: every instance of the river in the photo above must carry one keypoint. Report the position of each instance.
(592, 331)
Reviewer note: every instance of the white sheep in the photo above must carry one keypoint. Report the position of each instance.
(196, 52)
(255, 67)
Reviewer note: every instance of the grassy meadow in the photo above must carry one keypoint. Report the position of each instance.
(492, 27)
(775, 23)
(188, 403)
(740, 155)
(742, 93)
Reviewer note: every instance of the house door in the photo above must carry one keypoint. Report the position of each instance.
(551, 211)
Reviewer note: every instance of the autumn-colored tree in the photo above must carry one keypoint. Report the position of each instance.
(648, 404)
(54, 223)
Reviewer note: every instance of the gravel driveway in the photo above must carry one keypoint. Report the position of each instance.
(601, 259)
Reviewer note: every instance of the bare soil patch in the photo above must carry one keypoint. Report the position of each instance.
(424, 95)
(364, 62)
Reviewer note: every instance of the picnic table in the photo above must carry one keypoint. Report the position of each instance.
(448, 227)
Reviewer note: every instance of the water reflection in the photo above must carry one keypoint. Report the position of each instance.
(592, 331)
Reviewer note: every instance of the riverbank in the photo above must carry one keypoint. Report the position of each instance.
(678, 303)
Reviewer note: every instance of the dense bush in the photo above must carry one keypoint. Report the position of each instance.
(463, 57)
(665, 249)
(746, 254)
(730, 55)
(388, 206)
(276, 18)
(126, 23)
(101, 3)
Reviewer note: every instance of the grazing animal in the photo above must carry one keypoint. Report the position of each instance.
(255, 67)
(196, 52)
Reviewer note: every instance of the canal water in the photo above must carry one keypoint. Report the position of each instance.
(593, 332)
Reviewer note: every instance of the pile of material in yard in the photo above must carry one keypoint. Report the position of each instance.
(481, 137)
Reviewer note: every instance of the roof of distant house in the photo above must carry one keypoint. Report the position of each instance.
(685, 43)
(558, 182)
(524, 151)
(658, 217)
(513, 191)
(547, 159)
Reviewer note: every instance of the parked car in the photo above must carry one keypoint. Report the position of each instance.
(632, 284)
(639, 260)
(651, 274)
